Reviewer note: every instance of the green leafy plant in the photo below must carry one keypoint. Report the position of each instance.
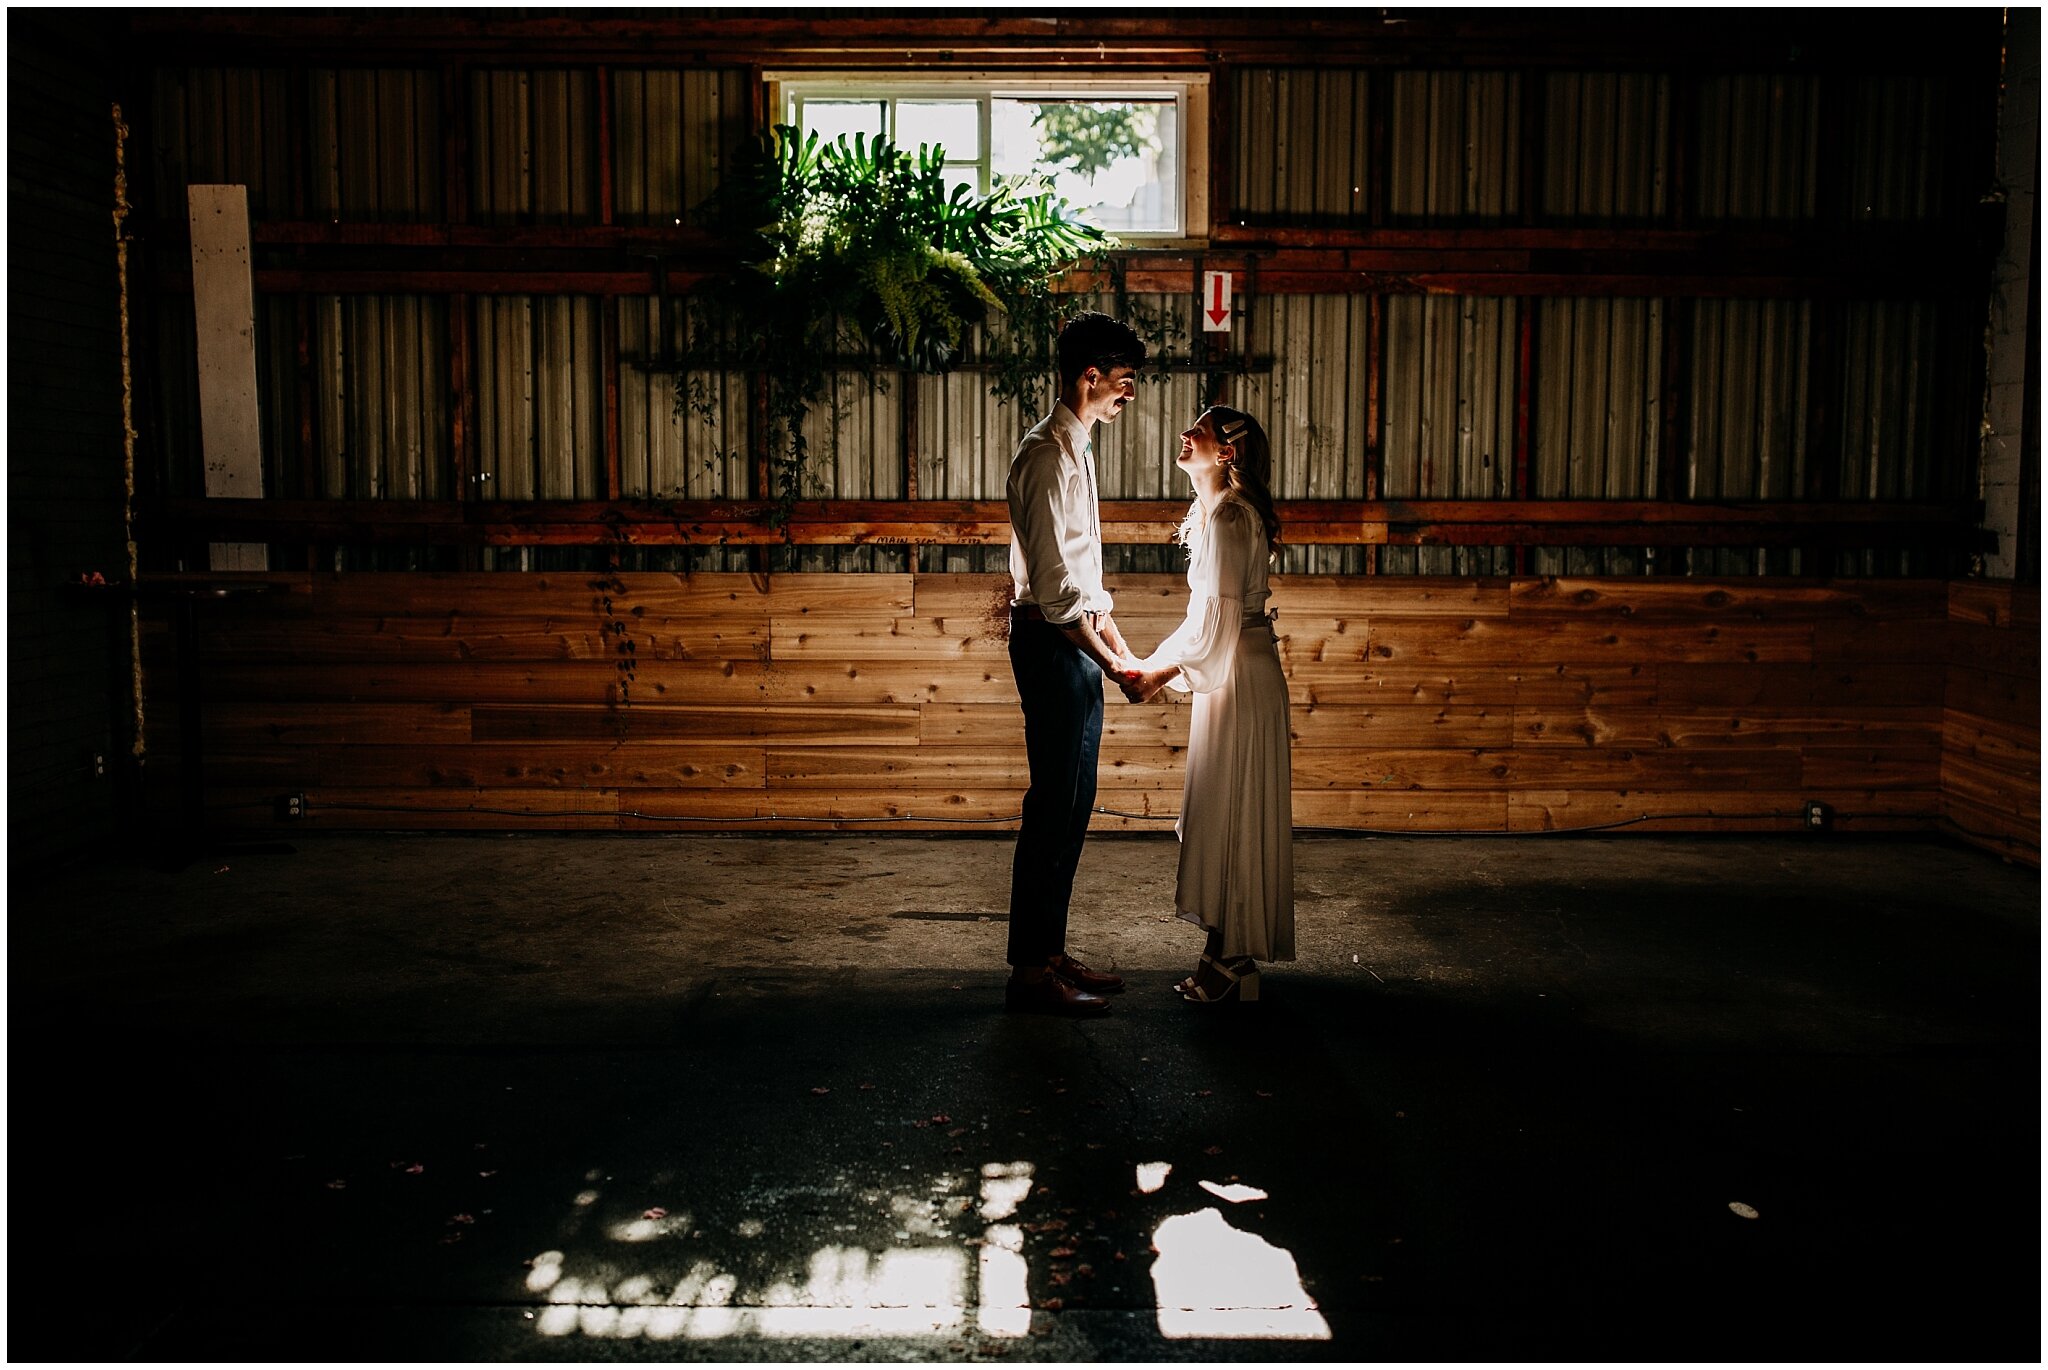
(858, 255)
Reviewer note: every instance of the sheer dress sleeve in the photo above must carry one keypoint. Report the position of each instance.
(1205, 644)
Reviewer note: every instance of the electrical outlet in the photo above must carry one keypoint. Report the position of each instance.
(1816, 816)
(99, 766)
(292, 806)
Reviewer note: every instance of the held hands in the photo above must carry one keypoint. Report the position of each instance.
(1150, 683)
(1140, 685)
(1127, 669)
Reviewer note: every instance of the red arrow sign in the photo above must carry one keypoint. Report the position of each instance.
(1216, 289)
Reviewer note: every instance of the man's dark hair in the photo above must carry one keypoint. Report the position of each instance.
(1092, 339)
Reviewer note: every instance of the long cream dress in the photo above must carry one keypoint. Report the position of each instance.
(1237, 813)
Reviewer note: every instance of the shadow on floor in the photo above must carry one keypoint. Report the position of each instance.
(803, 1170)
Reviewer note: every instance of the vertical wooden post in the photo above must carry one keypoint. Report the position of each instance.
(1375, 455)
(760, 487)
(1530, 192)
(1824, 355)
(608, 342)
(1823, 419)
(1675, 430)
(908, 407)
(1681, 147)
(299, 140)
(302, 375)
(455, 210)
(455, 142)
(1525, 404)
(1681, 153)
(1531, 124)
(1379, 169)
(2026, 542)
(605, 192)
(1971, 104)
(1222, 204)
(461, 394)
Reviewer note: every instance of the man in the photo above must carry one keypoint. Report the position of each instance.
(1062, 640)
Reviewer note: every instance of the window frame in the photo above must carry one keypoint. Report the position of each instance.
(1188, 89)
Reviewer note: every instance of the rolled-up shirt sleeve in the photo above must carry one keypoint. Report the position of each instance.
(1205, 644)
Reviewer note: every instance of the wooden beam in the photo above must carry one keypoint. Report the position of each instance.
(1866, 261)
(871, 522)
(1878, 284)
(1875, 242)
(1903, 41)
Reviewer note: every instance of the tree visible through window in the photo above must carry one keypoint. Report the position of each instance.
(1117, 156)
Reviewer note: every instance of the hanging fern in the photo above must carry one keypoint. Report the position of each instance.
(857, 251)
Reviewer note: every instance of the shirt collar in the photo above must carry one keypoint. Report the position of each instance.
(1077, 432)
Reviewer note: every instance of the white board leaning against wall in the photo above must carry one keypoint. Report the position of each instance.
(224, 305)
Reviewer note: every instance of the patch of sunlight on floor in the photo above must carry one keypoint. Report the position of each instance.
(1003, 1187)
(1213, 1280)
(847, 1292)
(1005, 1283)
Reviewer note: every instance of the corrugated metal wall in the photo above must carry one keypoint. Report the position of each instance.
(1899, 147)
(376, 140)
(1300, 148)
(1758, 148)
(223, 126)
(540, 386)
(380, 397)
(1448, 417)
(533, 147)
(700, 453)
(1301, 144)
(1597, 414)
(672, 132)
(1313, 405)
(1746, 415)
(1456, 145)
(1604, 141)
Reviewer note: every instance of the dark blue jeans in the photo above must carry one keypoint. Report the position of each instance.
(1061, 690)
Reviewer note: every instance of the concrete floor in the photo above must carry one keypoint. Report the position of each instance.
(736, 1098)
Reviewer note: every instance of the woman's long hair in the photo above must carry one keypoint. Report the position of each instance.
(1249, 472)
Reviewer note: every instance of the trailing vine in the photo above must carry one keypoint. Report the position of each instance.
(859, 256)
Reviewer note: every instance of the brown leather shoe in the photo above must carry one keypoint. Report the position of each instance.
(1080, 977)
(1050, 994)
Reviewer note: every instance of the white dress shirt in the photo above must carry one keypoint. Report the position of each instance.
(1055, 524)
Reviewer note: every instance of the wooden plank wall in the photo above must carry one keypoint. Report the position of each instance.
(667, 702)
(1991, 725)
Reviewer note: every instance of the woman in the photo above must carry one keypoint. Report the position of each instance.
(1237, 818)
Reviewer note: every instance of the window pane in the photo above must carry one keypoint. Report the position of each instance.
(952, 124)
(830, 118)
(1113, 160)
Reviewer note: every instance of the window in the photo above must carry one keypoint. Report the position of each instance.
(1128, 153)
